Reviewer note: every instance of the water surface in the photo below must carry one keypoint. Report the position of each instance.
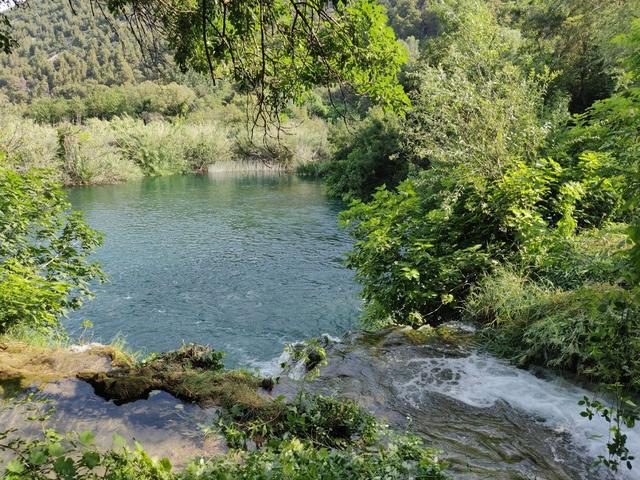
(243, 262)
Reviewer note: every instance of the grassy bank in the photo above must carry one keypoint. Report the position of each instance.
(101, 151)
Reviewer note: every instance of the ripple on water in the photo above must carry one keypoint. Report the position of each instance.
(245, 263)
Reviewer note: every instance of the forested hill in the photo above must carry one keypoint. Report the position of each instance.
(63, 54)
(60, 52)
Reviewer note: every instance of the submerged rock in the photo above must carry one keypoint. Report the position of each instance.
(23, 365)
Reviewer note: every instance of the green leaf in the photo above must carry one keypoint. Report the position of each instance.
(165, 464)
(118, 441)
(15, 466)
(90, 459)
(56, 450)
(65, 468)
(38, 457)
(87, 438)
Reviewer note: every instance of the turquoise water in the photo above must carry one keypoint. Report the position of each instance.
(245, 263)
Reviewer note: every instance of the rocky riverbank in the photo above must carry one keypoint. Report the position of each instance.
(488, 418)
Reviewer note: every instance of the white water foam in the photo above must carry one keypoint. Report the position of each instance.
(270, 368)
(481, 380)
(80, 348)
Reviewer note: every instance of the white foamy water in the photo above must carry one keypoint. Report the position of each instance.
(270, 368)
(481, 380)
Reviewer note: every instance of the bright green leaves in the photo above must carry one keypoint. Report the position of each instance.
(414, 258)
(44, 269)
(373, 68)
(15, 467)
(86, 438)
(74, 456)
(630, 41)
(279, 50)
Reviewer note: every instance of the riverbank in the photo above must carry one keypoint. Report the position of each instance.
(486, 417)
(123, 148)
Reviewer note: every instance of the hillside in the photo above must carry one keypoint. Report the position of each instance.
(61, 52)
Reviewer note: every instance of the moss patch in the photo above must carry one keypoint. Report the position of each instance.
(193, 373)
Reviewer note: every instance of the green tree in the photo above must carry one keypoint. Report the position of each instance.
(280, 50)
(44, 248)
(367, 158)
(573, 38)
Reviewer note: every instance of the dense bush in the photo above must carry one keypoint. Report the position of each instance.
(472, 102)
(44, 269)
(485, 196)
(161, 148)
(418, 251)
(475, 130)
(366, 158)
(27, 144)
(316, 419)
(89, 155)
(592, 329)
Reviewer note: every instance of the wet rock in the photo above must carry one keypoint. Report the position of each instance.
(434, 383)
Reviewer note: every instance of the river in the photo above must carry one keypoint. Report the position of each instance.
(242, 262)
(247, 263)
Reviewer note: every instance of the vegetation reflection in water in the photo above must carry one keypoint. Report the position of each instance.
(244, 262)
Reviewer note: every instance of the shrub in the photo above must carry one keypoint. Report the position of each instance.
(204, 144)
(155, 148)
(367, 158)
(106, 102)
(90, 155)
(26, 144)
(590, 256)
(321, 421)
(162, 148)
(591, 330)
(44, 270)
(419, 249)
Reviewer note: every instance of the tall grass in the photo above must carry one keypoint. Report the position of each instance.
(28, 144)
(590, 330)
(162, 148)
(100, 151)
(89, 155)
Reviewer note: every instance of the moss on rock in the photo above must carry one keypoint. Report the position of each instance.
(193, 373)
